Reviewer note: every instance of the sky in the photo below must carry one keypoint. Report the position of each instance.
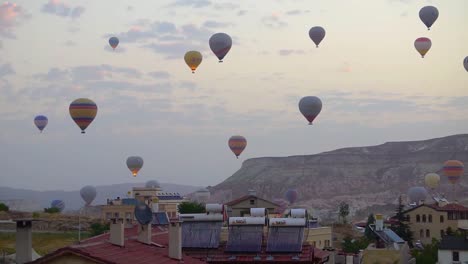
(373, 84)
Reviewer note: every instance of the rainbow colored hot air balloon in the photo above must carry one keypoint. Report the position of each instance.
(83, 111)
(422, 45)
(41, 122)
(237, 144)
(453, 169)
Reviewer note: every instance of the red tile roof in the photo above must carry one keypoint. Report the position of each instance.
(243, 198)
(449, 207)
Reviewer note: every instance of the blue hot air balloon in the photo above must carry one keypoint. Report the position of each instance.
(114, 42)
(59, 204)
(291, 196)
(41, 122)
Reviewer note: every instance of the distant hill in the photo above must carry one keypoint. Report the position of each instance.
(29, 200)
(362, 176)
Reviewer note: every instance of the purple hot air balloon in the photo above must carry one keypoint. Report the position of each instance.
(291, 196)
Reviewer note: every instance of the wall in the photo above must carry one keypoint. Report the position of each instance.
(382, 256)
(445, 256)
(319, 237)
(244, 206)
(124, 211)
(434, 228)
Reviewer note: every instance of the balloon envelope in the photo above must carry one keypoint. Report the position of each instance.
(317, 34)
(282, 205)
(193, 59)
(113, 42)
(220, 44)
(291, 196)
(83, 111)
(432, 180)
(453, 170)
(152, 184)
(422, 45)
(310, 107)
(428, 15)
(417, 194)
(134, 164)
(88, 193)
(465, 63)
(59, 204)
(41, 122)
(237, 144)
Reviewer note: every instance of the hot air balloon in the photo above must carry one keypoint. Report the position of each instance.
(193, 59)
(88, 193)
(152, 184)
(428, 15)
(59, 204)
(465, 63)
(237, 144)
(83, 111)
(220, 44)
(417, 194)
(41, 122)
(134, 163)
(113, 42)
(317, 34)
(310, 107)
(422, 45)
(453, 169)
(432, 180)
(282, 205)
(291, 196)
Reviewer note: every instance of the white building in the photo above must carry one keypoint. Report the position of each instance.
(453, 249)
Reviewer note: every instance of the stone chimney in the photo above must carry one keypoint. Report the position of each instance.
(23, 241)
(175, 240)
(144, 233)
(117, 233)
(378, 222)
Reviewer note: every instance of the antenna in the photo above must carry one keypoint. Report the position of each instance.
(143, 214)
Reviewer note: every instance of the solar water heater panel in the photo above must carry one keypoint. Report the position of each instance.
(285, 239)
(244, 239)
(201, 234)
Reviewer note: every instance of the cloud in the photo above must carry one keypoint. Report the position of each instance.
(70, 43)
(130, 8)
(345, 67)
(274, 21)
(58, 8)
(215, 24)
(192, 3)
(6, 69)
(241, 12)
(11, 15)
(296, 12)
(101, 72)
(119, 49)
(287, 52)
(160, 74)
(54, 74)
(227, 5)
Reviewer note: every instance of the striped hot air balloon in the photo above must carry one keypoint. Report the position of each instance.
(453, 170)
(237, 144)
(422, 45)
(83, 111)
(41, 122)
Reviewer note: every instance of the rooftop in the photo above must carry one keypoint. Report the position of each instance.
(453, 243)
(452, 207)
(246, 197)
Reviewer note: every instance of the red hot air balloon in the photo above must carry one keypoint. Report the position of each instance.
(453, 169)
(237, 144)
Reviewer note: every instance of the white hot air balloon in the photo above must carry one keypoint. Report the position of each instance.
(310, 107)
(317, 34)
(88, 193)
(428, 15)
(134, 164)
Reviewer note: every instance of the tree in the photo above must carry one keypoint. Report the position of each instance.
(4, 207)
(98, 228)
(429, 254)
(368, 232)
(350, 245)
(401, 227)
(344, 211)
(52, 210)
(191, 208)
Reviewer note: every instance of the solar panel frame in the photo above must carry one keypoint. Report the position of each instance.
(205, 234)
(160, 218)
(245, 239)
(285, 239)
(393, 236)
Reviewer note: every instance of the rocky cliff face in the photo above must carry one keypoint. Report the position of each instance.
(361, 176)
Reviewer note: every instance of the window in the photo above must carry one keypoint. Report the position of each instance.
(430, 219)
(327, 243)
(116, 215)
(424, 218)
(108, 216)
(428, 233)
(252, 202)
(441, 218)
(418, 218)
(408, 218)
(442, 233)
(455, 256)
(421, 233)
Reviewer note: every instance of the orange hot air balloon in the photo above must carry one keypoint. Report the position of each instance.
(453, 169)
(237, 144)
(193, 59)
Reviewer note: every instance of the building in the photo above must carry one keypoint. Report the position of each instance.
(454, 249)
(241, 206)
(428, 221)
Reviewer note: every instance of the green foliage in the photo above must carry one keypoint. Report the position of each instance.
(99, 228)
(51, 210)
(401, 228)
(350, 245)
(343, 211)
(428, 255)
(368, 232)
(191, 208)
(4, 207)
(449, 231)
(36, 215)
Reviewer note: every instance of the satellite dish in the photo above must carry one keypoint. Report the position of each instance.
(143, 214)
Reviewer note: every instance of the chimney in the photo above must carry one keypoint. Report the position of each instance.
(117, 232)
(378, 222)
(23, 241)
(144, 233)
(175, 240)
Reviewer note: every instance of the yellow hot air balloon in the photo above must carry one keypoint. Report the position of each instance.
(193, 58)
(432, 180)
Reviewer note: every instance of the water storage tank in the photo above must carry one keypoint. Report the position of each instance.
(246, 220)
(287, 222)
(298, 213)
(214, 208)
(257, 212)
(200, 217)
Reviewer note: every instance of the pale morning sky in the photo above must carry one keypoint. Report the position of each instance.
(373, 84)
